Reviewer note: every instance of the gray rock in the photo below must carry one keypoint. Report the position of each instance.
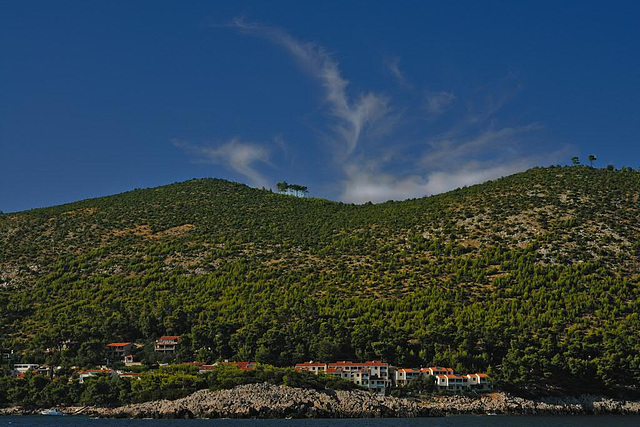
(269, 401)
(504, 403)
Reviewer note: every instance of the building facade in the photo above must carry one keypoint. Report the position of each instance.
(167, 344)
(452, 382)
(117, 350)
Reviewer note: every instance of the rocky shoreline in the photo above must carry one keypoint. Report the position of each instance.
(270, 401)
(259, 401)
(504, 403)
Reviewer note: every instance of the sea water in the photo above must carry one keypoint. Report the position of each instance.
(450, 421)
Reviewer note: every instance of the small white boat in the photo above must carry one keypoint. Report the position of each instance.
(52, 411)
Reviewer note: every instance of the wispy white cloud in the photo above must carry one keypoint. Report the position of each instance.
(236, 155)
(445, 165)
(369, 111)
(393, 65)
(369, 183)
(443, 152)
(471, 147)
(438, 103)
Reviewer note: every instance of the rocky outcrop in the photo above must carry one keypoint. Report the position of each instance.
(269, 401)
(503, 403)
(17, 410)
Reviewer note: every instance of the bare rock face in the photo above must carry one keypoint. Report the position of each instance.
(16, 410)
(503, 403)
(269, 401)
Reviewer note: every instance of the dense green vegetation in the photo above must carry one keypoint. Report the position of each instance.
(171, 382)
(533, 277)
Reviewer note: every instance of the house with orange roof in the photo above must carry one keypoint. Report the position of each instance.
(245, 366)
(480, 382)
(439, 370)
(129, 375)
(404, 375)
(452, 382)
(117, 350)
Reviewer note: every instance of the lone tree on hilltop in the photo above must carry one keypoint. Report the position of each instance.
(292, 189)
(592, 159)
(282, 186)
(575, 160)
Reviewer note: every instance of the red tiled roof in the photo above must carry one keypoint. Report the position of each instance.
(207, 367)
(169, 338)
(118, 344)
(311, 364)
(245, 366)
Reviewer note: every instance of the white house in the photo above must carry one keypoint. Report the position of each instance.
(452, 382)
(439, 370)
(373, 375)
(404, 375)
(479, 382)
(131, 360)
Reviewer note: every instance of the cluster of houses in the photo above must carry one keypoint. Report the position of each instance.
(21, 369)
(202, 369)
(166, 344)
(379, 376)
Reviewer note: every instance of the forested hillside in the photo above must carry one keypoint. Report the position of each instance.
(533, 277)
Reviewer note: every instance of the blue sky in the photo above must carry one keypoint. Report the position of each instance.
(357, 100)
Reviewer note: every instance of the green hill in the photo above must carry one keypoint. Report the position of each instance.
(533, 277)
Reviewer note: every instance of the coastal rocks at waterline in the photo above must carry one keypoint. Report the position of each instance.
(503, 403)
(269, 401)
(17, 410)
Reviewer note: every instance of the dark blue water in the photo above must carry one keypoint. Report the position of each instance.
(453, 421)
